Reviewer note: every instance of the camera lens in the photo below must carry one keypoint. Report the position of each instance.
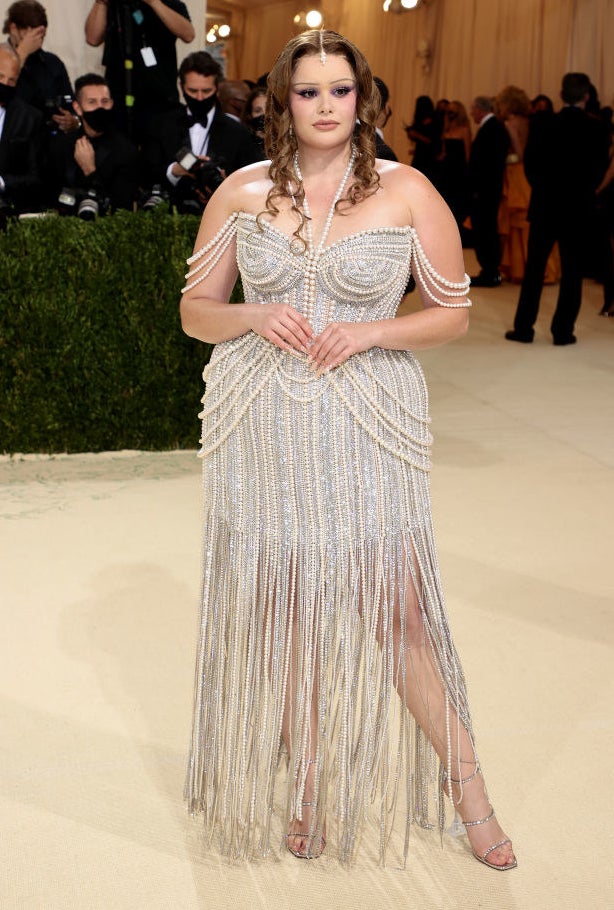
(89, 207)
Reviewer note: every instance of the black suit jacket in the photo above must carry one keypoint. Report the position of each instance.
(565, 158)
(487, 160)
(230, 143)
(20, 155)
(115, 178)
(42, 78)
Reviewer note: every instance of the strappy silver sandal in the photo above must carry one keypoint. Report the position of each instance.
(308, 853)
(458, 824)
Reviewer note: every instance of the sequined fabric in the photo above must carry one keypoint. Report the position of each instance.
(317, 528)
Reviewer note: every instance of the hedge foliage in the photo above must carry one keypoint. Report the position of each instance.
(92, 355)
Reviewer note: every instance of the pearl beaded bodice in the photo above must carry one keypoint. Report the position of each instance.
(358, 278)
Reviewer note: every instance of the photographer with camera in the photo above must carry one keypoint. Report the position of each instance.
(95, 170)
(191, 149)
(21, 128)
(140, 55)
(43, 81)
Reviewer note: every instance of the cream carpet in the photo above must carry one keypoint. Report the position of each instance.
(99, 590)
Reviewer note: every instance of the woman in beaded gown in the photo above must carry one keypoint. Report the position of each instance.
(327, 688)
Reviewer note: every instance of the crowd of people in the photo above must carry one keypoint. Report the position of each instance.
(127, 139)
(532, 191)
(124, 138)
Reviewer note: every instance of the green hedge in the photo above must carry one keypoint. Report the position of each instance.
(92, 355)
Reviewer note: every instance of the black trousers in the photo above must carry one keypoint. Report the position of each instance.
(485, 233)
(543, 234)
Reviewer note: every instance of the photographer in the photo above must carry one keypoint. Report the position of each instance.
(192, 148)
(20, 144)
(99, 164)
(144, 34)
(43, 81)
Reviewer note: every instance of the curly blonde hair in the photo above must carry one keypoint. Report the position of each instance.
(280, 142)
(513, 100)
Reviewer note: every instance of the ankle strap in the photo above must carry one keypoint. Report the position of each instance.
(465, 780)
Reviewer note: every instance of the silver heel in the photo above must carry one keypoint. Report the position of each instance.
(459, 827)
(308, 853)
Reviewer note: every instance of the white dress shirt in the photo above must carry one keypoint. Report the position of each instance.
(199, 141)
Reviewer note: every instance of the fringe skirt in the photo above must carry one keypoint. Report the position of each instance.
(320, 582)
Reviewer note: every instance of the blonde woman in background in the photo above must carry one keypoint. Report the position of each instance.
(513, 108)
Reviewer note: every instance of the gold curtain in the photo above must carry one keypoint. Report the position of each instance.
(476, 47)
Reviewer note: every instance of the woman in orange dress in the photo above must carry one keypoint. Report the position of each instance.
(513, 107)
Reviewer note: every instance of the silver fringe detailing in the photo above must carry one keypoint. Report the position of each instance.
(322, 608)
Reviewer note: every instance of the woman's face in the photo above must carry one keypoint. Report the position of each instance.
(258, 106)
(323, 99)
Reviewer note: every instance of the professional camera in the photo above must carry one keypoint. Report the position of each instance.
(208, 175)
(158, 196)
(56, 106)
(85, 204)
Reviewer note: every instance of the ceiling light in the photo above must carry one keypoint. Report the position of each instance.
(313, 18)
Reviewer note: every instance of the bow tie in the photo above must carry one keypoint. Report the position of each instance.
(202, 120)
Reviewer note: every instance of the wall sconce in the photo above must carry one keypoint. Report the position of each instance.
(425, 53)
(216, 32)
(311, 19)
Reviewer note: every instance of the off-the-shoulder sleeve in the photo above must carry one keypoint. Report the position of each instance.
(210, 254)
(439, 289)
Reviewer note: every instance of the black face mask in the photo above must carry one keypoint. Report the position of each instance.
(7, 93)
(200, 109)
(100, 119)
(257, 124)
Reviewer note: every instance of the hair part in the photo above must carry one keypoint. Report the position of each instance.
(280, 142)
(25, 14)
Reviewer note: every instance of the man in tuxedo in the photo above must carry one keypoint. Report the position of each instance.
(21, 128)
(565, 158)
(99, 162)
(486, 168)
(212, 144)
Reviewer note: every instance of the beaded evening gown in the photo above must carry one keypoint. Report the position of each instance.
(317, 526)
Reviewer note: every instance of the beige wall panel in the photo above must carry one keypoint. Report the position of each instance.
(65, 35)
(477, 46)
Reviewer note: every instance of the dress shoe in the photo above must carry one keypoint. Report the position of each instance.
(565, 339)
(484, 280)
(513, 335)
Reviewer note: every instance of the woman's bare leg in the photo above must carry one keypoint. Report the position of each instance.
(423, 692)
